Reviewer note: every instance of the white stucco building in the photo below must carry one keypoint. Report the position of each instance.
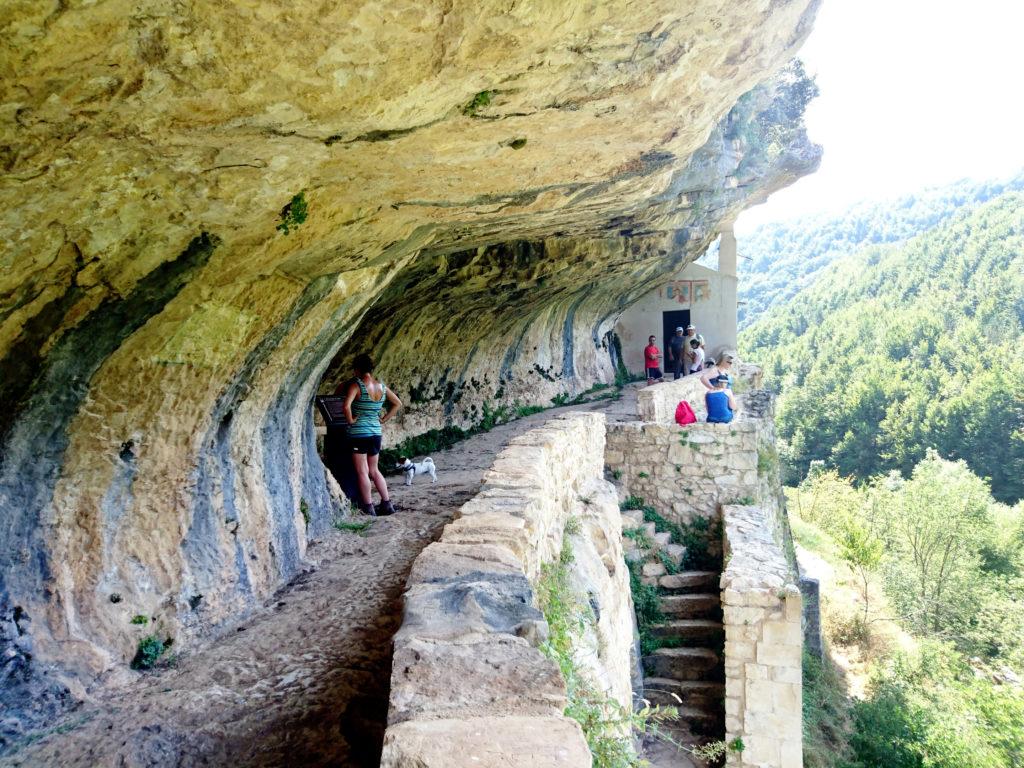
(695, 294)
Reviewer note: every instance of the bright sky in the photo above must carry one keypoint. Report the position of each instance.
(914, 93)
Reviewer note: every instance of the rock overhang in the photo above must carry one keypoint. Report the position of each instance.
(602, 153)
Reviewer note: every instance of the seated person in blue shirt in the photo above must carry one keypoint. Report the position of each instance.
(720, 402)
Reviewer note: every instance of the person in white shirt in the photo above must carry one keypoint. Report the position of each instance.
(696, 356)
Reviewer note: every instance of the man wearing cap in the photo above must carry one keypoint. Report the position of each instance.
(677, 352)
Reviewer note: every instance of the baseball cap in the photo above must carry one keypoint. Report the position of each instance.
(691, 327)
(679, 329)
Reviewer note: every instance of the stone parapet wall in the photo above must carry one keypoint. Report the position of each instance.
(686, 472)
(762, 611)
(470, 686)
(658, 402)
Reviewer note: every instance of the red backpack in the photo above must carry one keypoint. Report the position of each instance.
(685, 414)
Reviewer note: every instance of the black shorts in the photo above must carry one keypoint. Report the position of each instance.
(369, 445)
(654, 373)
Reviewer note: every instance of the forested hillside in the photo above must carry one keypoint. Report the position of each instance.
(900, 348)
(782, 259)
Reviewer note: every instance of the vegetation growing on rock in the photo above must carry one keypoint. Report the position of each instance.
(294, 213)
(607, 725)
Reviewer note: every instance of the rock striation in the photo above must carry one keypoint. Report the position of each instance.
(206, 207)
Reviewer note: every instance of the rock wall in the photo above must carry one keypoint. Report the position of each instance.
(469, 684)
(166, 318)
(762, 612)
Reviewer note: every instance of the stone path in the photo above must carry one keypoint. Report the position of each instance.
(303, 682)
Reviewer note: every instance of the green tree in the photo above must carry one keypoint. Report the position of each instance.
(863, 552)
(938, 524)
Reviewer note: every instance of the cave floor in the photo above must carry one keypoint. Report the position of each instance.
(303, 681)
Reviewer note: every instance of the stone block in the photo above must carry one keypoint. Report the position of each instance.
(787, 674)
(509, 742)
(795, 607)
(779, 655)
(761, 749)
(758, 694)
(739, 651)
(488, 675)
(754, 671)
(469, 605)
(442, 561)
(732, 614)
(786, 697)
(791, 753)
(783, 633)
(653, 570)
(775, 724)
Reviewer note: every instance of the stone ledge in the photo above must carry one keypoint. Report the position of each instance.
(509, 742)
(762, 612)
(468, 684)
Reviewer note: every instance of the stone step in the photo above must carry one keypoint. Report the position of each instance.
(702, 721)
(652, 569)
(690, 581)
(675, 553)
(684, 664)
(697, 694)
(695, 606)
(692, 632)
(632, 519)
(650, 529)
(662, 540)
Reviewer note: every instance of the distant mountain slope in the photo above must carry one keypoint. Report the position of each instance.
(898, 348)
(781, 259)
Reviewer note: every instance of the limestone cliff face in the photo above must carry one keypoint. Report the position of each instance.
(487, 182)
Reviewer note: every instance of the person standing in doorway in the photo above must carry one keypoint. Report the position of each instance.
(364, 410)
(677, 353)
(652, 362)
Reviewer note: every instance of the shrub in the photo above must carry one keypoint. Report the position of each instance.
(149, 650)
(293, 214)
(478, 102)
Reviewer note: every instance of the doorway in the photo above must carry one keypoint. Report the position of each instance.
(677, 318)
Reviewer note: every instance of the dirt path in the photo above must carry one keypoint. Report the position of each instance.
(304, 680)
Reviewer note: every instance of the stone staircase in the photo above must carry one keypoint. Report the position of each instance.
(688, 671)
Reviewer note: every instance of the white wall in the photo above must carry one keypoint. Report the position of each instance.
(709, 295)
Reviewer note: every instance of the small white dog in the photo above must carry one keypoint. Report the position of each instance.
(413, 468)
